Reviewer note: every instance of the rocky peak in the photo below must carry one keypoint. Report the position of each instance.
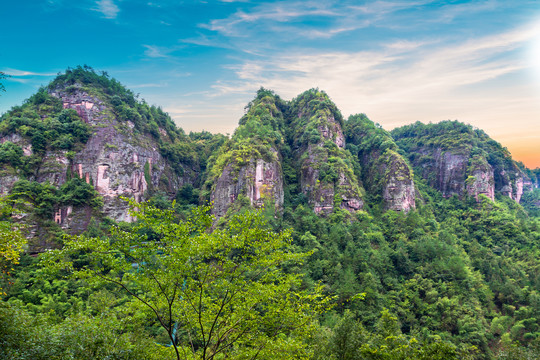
(385, 172)
(459, 160)
(326, 170)
(88, 126)
(249, 166)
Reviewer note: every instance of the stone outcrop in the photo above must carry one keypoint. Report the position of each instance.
(326, 173)
(385, 172)
(457, 159)
(456, 172)
(480, 179)
(251, 163)
(259, 181)
(116, 160)
(399, 192)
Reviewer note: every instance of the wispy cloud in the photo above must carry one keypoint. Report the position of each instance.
(108, 8)
(153, 51)
(15, 72)
(327, 18)
(261, 15)
(156, 51)
(403, 76)
(385, 7)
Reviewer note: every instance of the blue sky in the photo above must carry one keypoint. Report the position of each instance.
(202, 61)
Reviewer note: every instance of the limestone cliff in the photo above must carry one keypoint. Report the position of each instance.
(249, 167)
(89, 126)
(385, 173)
(458, 160)
(480, 178)
(116, 160)
(326, 170)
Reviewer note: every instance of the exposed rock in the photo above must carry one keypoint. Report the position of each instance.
(259, 181)
(116, 160)
(457, 159)
(326, 174)
(384, 171)
(480, 179)
(399, 193)
(251, 161)
(456, 172)
(7, 179)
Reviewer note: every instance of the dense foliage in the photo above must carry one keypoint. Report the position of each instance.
(456, 138)
(455, 278)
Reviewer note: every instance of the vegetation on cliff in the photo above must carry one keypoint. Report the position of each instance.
(424, 143)
(385, 172)
(456, 276)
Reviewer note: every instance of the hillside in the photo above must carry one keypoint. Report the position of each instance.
(86, 131)
(426, 238)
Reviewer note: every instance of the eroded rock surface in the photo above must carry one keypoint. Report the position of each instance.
(258, 181)
(115, 160)
(326, 172)
(384, 171)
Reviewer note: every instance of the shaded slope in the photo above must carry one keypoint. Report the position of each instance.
(385, 173)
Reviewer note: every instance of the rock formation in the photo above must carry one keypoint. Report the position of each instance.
(385, 172)
(326, 169)
(458, 160)
(250, 165)
(116, 157)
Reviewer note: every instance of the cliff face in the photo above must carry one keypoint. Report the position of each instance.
(385, 173)
(86, 126)
(326, 170)
(78, 129)
(258, 181)
(398, 192)
(116, 160)
(480, 178)
(458, 160)
(249, 167)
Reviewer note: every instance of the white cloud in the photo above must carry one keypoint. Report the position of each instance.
(108, 8)
(153, 51)
(156, 51)
(268, 13)
(286, 17)
(15, 72)
(402, 82)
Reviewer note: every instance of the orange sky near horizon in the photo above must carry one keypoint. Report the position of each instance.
(528, 152)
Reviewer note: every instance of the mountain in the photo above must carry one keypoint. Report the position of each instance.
(385, 172)
(86, 128)
(248, 167)
(426, 237)
(457, 159)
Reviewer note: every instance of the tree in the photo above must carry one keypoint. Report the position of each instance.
(2, 76)
(217, 294)
(11, 240)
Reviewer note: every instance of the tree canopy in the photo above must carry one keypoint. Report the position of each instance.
(216, 293)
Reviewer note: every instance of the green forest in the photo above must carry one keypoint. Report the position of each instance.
(449, 268)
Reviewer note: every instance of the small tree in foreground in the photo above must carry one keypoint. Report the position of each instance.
(12, 242)
(218, 294)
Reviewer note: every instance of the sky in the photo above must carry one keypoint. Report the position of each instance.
(202, 61)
